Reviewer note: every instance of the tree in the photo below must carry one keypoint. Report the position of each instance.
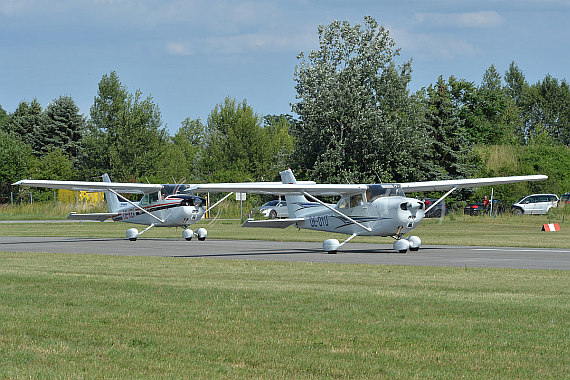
(238, 147)
(14, 157)
(449, 152)
(63, 128)
(4, 119)
(125, 134)
(27, 122)
(357, 120)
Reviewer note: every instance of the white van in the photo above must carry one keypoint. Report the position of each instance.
(535, 204)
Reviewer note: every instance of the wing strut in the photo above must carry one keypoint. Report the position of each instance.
(440, 199)
(338, 212)
(137, 206)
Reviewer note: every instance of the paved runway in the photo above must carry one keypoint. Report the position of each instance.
(355, 253)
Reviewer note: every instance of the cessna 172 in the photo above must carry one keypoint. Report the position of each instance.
(363, 210)
(160, 206)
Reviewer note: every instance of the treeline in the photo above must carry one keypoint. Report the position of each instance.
(356, 121)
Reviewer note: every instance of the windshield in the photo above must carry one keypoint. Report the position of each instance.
(271, 203)
(174, 189)
(384, 190)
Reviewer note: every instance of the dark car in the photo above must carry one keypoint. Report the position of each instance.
(565, 199)
(438, 210)
(479, 208)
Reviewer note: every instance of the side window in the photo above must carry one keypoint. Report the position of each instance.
(343, 203)
(529, 200)
(356, 200)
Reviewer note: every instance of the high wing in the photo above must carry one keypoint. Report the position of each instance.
(139, 188)
(411, 187)
(281, 188)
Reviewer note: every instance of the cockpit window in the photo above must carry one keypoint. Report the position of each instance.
(385, 190)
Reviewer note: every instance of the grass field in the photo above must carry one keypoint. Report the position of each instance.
(88, 316)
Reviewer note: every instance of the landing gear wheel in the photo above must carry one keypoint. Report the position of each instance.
(132, 234)
(331, 246)
(187, 234)
(201, 233)
(401, 245)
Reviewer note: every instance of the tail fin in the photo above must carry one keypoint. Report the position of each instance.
(294, 202)
(113, 204)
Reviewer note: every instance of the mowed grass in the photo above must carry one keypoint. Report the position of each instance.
(503, 231)
(90, 316)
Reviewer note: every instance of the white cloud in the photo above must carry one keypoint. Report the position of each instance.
(477, 20)
(179, 48)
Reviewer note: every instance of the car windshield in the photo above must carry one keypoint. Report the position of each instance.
(270, 203)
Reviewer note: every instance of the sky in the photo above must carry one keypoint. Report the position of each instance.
(190, 55)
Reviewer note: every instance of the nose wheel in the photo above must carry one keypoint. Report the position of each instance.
(412, 243)
(200, 233)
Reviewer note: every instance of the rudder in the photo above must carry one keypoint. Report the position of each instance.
(113, 204)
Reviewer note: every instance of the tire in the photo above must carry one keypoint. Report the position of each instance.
(517, 211)
(272, 214)
(437, 214)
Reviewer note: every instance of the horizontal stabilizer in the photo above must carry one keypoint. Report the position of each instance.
(272, 223)
(96, 216)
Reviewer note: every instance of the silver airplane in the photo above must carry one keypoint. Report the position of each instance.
(363, 210)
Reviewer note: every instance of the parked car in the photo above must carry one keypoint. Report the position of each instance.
(564, 200)
(439, 209)
(535, 204)
(479, 208)
(275, 209)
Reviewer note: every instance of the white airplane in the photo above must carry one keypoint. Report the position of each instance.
(363, 210)
(160, 206)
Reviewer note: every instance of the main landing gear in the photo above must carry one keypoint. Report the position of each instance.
(187, 234)
(412, 243)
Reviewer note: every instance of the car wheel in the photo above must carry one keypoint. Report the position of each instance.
(437, 214)
(517, 211)
(272, 214)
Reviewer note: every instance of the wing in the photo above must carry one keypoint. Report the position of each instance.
(140, 188)
(281, 188)
(411, 187)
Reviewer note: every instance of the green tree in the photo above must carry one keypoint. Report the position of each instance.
(450, 149)
(63, 128)
(238, 147)
(124, 135)
(4, 119)
(27, 122)
(14, 158)
(357, 120)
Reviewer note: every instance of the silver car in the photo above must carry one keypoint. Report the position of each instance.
(535, 204)
(275, 209)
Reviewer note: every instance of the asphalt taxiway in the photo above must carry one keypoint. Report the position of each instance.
(355, 253)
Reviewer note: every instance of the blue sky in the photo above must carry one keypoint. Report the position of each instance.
(190, 55)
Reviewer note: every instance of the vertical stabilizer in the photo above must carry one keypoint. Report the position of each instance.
(113, 204)
(294, 202)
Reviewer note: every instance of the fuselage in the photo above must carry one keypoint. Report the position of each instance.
(174, 210)
(382, 208)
